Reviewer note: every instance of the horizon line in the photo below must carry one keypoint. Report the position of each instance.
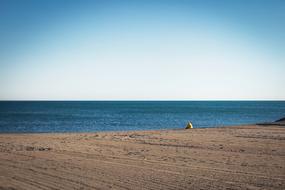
(131, 100)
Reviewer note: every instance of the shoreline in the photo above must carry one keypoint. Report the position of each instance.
(142, 130)
(230, 157)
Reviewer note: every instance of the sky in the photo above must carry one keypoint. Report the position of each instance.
(142, 50)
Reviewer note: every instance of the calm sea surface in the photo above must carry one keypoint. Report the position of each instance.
(87, 116)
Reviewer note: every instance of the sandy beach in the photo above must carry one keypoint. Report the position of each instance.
(243, 157)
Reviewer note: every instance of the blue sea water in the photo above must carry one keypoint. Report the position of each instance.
(89, 116)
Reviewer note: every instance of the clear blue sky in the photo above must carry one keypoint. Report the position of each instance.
(142, 50)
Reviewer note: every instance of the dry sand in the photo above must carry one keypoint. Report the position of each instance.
(246, 157)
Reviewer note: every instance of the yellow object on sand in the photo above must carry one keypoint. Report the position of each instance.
(189, 126)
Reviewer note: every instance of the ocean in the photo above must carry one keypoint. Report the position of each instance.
(91, 116)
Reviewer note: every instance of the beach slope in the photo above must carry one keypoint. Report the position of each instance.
(244, 157)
